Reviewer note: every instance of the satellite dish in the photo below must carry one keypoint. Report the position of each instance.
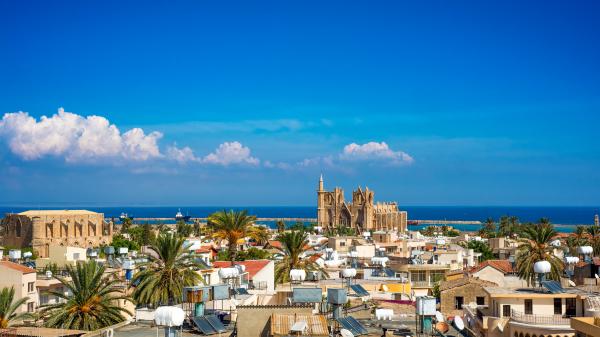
(346, 333)
(572, 284)
(439, 317)
(458, 322)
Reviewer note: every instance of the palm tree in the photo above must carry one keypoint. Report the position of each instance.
(260, 234)
(8, 308)
(169, 268)
(536, 247)
(233, 226)
(489, 229)
(93, 303)
(280, 226)
(294, 244)
(504, 228)
(594, 238)
(514, 225)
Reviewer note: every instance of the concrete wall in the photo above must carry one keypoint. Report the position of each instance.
(13, 278)
(255, 321)
(494, 275)
(267, 274)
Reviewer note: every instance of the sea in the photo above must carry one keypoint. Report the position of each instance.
(565, 218)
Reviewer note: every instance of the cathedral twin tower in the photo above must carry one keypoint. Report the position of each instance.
(362, 214)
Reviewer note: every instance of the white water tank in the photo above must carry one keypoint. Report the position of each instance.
(27, 255)
(426, 305)
(226, 273)
(14, 254)
(555, 243)
(353, 253)
(169, 316)
(542, 267)
(241, 268)
(585, 250)
(348, 272)
(440, 242)
(571, 259)
(123, 250)
(298, 275)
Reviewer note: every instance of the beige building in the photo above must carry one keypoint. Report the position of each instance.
(456, 293)
(521, 312)
(586, 326)
(362, 214)
(41, 229)
(62, 256)
(23, 279)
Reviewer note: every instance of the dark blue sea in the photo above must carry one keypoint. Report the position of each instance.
(565, 217)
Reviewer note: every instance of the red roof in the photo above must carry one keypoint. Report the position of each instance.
(274, 243)
(206, 249)
(252, 266)
(18, 267)
(501, 265)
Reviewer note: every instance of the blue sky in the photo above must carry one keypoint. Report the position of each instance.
(246, 103)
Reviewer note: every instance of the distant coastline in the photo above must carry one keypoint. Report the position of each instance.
(564, 217)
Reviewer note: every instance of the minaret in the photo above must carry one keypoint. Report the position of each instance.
(321, 183)
(321, 203)
(596, 220)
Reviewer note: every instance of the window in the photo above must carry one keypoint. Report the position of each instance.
(571, 307)
(342, 244)
(480, 300)
(458, 302)
(558, 306)
(437, 275)
(18, 229)
(31, 287)
(418, 276)
(30, 306)
(506, 310)
(528, 307)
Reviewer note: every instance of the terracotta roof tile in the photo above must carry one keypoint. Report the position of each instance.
(502, 265)
(252, 266)
(18, 267)
(445, 285)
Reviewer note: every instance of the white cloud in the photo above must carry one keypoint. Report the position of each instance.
(182, 155)
(374, 151)
(75, 137)
(231, 153)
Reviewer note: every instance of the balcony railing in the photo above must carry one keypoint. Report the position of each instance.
(539, 319)
(421, 284)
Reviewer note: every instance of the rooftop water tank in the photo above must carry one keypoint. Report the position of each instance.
(542, 267)
(230, 272)
(348, 272)
(298, 275)
(14, 254)
(169, 316)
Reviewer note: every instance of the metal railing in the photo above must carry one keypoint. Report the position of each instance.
(421, 284)
(539, 319)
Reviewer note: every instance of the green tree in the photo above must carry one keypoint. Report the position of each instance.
(169, 269)
(197, 228)
(184, 229)
(280, 226)
(93, 303)
(148, 235)
(294, 244)
(536, 247)
(489, 229)
(251, 253)
(9, 307)
(125, 224)
(119, 241)
(481, 247)
(594, 238)
(232, 226)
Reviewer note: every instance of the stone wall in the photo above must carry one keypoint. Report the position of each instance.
(469, 292)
